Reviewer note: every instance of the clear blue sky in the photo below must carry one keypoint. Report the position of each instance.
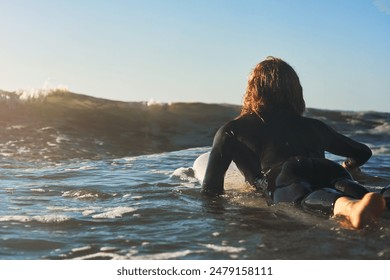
(198, 50)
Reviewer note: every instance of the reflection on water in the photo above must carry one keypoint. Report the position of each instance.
(132, 208)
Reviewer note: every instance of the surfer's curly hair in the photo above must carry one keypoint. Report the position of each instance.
(273, 86)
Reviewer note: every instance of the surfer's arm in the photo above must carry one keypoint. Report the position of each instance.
(219, 161)
(356, 153)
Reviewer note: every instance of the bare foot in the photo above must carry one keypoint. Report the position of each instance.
(360, 212)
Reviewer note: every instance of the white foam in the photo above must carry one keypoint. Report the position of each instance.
(6, 154)
(100, 255)
(382, 150)
(41, 219)
(62, 138)
(108, 249)
(23, 150)
(73, 209)
(40, 93)
(15, 218)
(80, 249)
(380, 129)
(153, 102)
(84, 167)
(51, 218)
(165, 256)
(227, 249)
(80, 194)
(88, 212)
(18, 127)
(37, 190)
(184, 174)
(51, 144)
(114, 213)
(46, 128)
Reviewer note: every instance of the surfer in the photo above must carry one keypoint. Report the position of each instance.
(282, 153)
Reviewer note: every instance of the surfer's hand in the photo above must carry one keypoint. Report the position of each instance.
(354, 170)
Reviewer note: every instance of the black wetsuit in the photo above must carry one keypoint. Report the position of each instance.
(284, 157)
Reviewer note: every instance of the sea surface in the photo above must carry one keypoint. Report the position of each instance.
(88, 178)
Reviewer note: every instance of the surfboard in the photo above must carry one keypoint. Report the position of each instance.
(233, 177)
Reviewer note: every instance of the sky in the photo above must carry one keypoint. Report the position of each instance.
(198, 50)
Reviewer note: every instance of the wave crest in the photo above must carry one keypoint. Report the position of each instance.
(31, 94)
(56, 124)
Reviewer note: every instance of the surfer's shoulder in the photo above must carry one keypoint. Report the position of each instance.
(313, 122)
(236, 126)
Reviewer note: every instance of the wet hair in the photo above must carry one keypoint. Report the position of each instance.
(273, 86)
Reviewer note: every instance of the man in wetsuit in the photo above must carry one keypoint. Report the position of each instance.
(282, 153)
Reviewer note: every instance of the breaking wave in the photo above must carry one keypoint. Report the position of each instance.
(56, 124)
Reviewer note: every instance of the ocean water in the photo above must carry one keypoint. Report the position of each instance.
(87, 178)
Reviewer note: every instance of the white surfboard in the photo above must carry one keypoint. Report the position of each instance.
(233, 177)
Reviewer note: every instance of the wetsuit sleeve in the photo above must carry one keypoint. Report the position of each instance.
(219, 161)
(356, 153)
